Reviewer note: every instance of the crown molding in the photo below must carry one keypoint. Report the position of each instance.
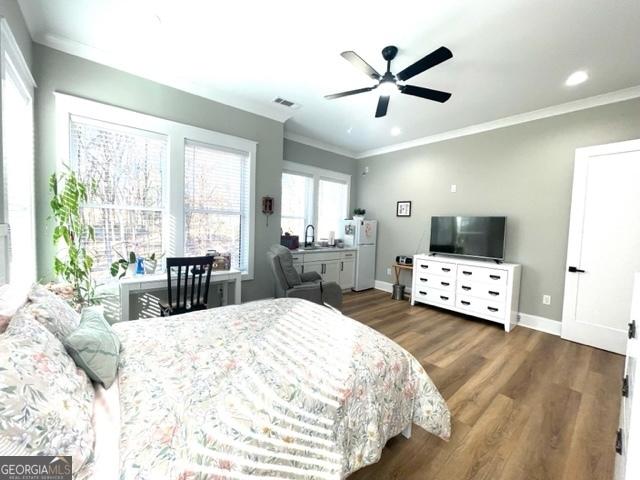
(555, 110)
(118, 62)
(312, 142)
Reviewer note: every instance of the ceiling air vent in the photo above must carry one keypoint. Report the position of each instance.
(286, 103)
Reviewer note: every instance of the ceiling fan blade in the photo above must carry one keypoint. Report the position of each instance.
(434, 58)
(350, 92)
(383, 104)
(355, 60)
(435, 95)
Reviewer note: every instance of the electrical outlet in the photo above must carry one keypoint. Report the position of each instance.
(388, 272)
(454, 188)
(546, 299)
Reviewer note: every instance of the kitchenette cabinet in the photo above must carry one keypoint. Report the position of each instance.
(333, 264)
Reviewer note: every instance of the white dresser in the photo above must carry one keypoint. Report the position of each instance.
(628, 437)
(483, 289)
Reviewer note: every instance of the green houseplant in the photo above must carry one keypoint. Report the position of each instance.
(74, 262)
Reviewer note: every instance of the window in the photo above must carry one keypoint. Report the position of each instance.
(127, 204)
(314, 196)
(162, 186)
(216, 202)
(17, 160)
(297, 203)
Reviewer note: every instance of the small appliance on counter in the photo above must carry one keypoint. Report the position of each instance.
(404, 260)
(292, 242)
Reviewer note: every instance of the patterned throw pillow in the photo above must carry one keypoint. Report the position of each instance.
(53, 312)
(95, 347)
(46, 402)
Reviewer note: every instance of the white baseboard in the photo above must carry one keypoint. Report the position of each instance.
(526, 320)
(388, 286)
(541, 324)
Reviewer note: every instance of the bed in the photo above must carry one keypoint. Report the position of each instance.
(270, 389)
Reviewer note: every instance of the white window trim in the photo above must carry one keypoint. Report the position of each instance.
(9, 48)
(319, 174)
(177, 134)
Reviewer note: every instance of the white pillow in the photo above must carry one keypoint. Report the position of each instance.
(12, 297)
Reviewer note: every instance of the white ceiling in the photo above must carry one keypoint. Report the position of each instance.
(510, 56)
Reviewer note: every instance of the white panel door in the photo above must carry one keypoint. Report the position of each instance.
(604, 245)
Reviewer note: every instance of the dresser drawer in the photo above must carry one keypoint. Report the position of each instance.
(481, 306)
(433, 295)
(436, 268)
(495, 293)
(491, 276)
(435, 281)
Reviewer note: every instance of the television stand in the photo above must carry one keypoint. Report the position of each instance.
(482, 289)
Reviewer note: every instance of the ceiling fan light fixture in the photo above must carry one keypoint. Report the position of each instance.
(387, 88)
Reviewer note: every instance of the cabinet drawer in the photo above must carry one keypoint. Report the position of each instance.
(495, 293)
(432, 295)
(298, 258)
(349, 255)
(492, 276)
(481, 306)
(321, 256)
(435, 281)
(436, 268)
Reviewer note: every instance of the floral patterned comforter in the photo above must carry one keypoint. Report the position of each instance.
(270, 389)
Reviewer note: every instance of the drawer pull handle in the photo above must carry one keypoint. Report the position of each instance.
(495, 294)
(495, 277)
(443, 297)
(445, 269)
(464, 287)
(632, 329)
(464, 302)
(619, 441)
(492, 309)
(424, 266)
(424, 279)
(446, 284)
(467, 272)
(422, 293)
(625, 386)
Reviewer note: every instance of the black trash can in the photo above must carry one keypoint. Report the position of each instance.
(398, 291)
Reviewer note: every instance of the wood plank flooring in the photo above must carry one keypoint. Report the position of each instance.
(526, 405)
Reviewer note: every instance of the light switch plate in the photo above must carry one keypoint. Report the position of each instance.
(454, 188)
(546, 299)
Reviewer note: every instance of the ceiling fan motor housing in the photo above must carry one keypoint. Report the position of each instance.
(389, 53)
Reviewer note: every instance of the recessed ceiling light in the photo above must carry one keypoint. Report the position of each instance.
(395, 131)
(576, 78)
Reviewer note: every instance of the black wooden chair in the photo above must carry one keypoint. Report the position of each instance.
(185, 302)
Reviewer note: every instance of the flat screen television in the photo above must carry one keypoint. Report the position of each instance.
(480, 237)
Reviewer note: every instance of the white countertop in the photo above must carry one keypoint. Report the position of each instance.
(323, 249)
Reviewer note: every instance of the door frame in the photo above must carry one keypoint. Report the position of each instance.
(612, 339)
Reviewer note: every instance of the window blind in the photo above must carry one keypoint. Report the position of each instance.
(297, 198)
(332, 207)
(127, 206)
(217, 201)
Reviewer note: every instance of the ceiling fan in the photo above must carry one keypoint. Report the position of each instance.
(388, 83)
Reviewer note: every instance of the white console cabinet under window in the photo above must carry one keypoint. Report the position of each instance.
(333, 264)
(482, 289)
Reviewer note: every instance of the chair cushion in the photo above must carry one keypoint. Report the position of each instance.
(46, 402)
(53, 312)
(95, 347)
(286, 263)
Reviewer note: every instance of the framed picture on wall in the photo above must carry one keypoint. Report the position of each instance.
(403, 209)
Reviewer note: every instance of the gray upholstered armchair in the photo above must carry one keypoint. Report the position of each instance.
(308, 286)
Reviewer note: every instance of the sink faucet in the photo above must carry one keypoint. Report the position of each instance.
(306, 236)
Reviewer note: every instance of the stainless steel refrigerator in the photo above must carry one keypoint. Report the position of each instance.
(362, 235)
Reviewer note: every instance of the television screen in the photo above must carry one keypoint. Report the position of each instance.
(470, 236)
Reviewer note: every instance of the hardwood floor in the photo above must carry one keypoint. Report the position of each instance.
(525, 405)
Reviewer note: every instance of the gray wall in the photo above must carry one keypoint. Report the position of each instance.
(57, 71)
(10, 10)
(316, 157)
(524, 172)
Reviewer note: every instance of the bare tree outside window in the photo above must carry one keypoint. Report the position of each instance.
(127, 166)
